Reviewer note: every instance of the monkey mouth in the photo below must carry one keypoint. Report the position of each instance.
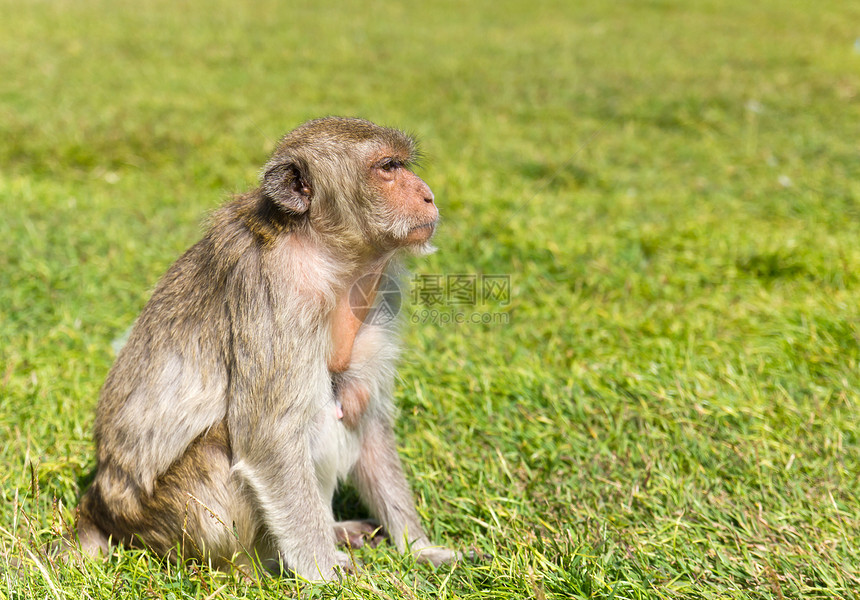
(421, 233)
(428, 226)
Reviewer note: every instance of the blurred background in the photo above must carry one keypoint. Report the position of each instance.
(667, 405)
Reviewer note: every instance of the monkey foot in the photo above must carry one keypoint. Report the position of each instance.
(437, 555)
(475, 555)
(356, 534)
(345, 562)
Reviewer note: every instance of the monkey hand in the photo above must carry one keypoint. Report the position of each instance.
(352, 401)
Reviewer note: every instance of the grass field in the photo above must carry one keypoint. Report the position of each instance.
(671, 410)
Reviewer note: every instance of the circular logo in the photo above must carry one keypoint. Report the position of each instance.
(376, 299)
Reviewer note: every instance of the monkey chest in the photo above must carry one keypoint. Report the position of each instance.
(334, 448)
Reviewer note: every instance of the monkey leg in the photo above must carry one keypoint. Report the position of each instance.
(195, 510)
(379, 479)
(293, 502)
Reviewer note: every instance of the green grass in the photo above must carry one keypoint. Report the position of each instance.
(674, 189)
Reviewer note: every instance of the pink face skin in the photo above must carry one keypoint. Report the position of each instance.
(407, 196)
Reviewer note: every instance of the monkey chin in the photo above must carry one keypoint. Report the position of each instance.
(417, 241)
(422, 249)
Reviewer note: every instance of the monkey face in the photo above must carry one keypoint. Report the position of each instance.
(409, 213)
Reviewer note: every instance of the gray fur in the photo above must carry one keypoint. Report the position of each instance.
(216, 432)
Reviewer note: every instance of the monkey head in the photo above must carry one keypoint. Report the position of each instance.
(349, 182)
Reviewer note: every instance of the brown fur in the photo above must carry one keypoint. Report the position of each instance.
(217, 429)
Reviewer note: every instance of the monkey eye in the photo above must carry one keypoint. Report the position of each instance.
(390, 164)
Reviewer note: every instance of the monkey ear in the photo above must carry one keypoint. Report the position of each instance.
(288, 187)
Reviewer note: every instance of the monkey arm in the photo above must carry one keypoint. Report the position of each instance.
(346, 321)
(273, 462)
(350, 312)
(344, 327)
(383, 486)
(283, 487)
(278, 381)
(381, 483)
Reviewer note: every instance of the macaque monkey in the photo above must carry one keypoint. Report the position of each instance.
(249, 386)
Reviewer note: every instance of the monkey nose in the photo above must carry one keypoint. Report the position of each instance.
(428, 194)
(423, 191)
